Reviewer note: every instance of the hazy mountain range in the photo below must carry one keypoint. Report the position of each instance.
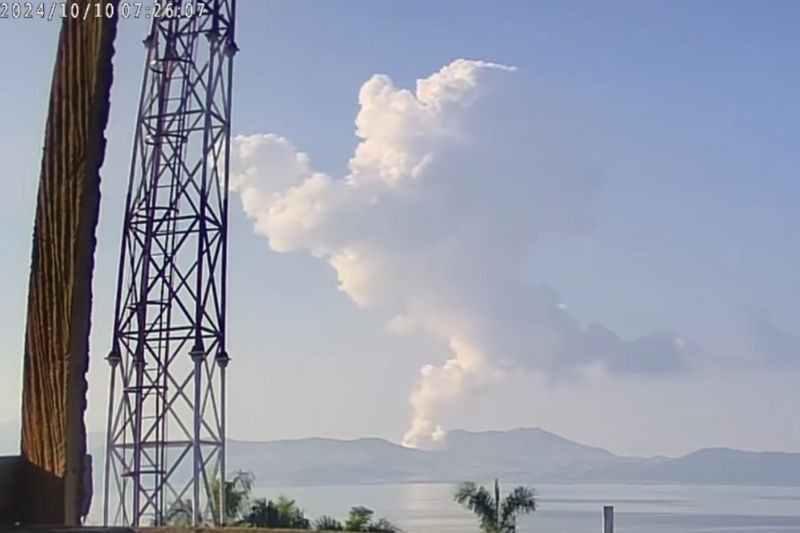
(529, 455)
(526, 455)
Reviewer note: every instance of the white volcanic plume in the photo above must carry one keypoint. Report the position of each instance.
(447, 193)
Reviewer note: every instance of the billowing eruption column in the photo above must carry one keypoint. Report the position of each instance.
(439, 222)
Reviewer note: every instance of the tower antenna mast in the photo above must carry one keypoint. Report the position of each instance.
(165, 448)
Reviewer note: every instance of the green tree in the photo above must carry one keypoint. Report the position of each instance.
(179, 514)
(496, 515)
(327, 523)
(284, 513)
(382, 525)
(290, 515)
(361, 519)
(262, 514)
(237, 497)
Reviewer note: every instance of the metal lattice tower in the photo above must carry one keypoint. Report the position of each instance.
(165, 447)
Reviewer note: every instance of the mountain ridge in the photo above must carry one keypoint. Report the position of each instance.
(524, 454)
(521, 454)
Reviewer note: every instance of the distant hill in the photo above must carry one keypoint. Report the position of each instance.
(523, 452)
(527, 454)
(467, 455)
(710, 466)
(328, 461)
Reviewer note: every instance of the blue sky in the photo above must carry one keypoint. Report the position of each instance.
(688, 110)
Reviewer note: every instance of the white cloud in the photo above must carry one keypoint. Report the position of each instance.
(448, 191)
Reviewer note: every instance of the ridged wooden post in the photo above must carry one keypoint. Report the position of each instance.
(56, 355)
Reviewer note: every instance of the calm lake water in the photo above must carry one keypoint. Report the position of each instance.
(428, 508)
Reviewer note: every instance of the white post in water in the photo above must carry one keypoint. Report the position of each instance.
(608, 519)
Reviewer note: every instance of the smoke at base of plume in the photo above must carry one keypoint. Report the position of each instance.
(448, 191)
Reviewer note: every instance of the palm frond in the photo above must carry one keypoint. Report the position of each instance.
(179, 514)
(383, 525)
(521, 500)
(479, 501)
(327, 523)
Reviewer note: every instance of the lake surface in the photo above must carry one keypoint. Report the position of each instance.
(577, 508)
